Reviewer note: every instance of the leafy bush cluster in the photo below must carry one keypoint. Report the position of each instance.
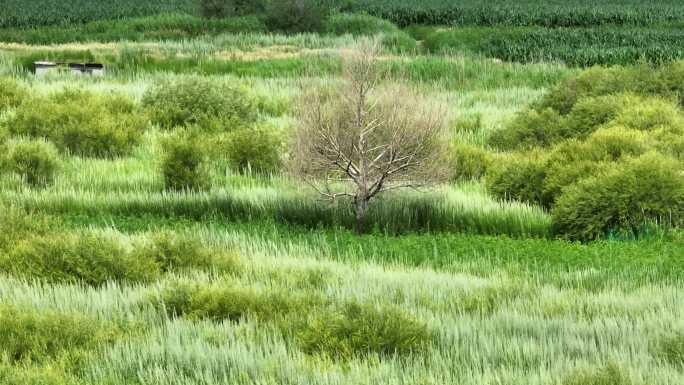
(81, 122)
(35, 161)
(40, 252)
(11, 94)
(184, 166)
(338, 331)
(29, 336)
(603, 150)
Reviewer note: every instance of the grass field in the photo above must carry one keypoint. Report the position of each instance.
(110, 276)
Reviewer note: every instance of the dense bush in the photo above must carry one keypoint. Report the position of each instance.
(399, 42)
(519, 177)
(199, 101)
(255, 149)
(296, 16)
(76, 258)
(611, 374)
(11, 93)
(36, 161)
(530, 128)
(81, 122)
(184, 166)
(27, 335)
(356, 330)
(358, 24)
(17, 224)
(226, 302)
(228, 8)
(468, 162)
(172, 251)
(671, 349)
(622, 199)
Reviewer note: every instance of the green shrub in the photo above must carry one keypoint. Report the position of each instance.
(184, 165)
(30, 336)
(613, 143)
(529, 129)
(399, 42)
(199, 101)
(358, 25)
(255, 149)
(81, 122)
(297, 16)
(622, 199)
(228, 302)
(36, 161)
(34, 375)
(12, 94)
(17, 224)
(649, 113)
(469, 162)
(76, 258)
(611, 374)
(228, 8)
(590, 113)
(174, 252)
(357, 330)
(671, 349)
(518, 177)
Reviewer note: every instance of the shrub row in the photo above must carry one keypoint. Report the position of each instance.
(80, 122)
(94, 259)
(338, 331)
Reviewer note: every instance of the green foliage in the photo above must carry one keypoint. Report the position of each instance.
(81, 122)
(573, 13)
(18, 13)
(399, 42)
(518, 177)
(36, 161)
(175, 252)
(256, 149)
(358, 25)
(149, 28)
(611, 374)
(622, 199)
(671, 349)
(11, 93)
(227, 8)
(16, 224)
(228, 302)
(184, 166)
(297, 16)
(199, 101)
(76, 258)
(530, 128)
(28, 335)
(468, 162)
(356, 330)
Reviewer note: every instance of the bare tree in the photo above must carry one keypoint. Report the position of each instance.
(359, 138)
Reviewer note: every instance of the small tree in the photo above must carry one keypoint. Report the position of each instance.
(359, 140)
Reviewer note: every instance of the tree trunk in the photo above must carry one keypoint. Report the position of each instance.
(360, 208)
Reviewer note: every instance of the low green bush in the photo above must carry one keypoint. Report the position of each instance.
(518, 177)
(255, 149)
(28, 335)
(86, 258)
(228, 8)
(590, 113)
(531, 128)
(468, 162)
(12, 93)
(623, 199)
(671, 349)
(228, 302)
(17, 224)
(36, 161)
(34, 375)
(356, 330)
(649, 113)
(297, 16)
(358, 25)
(81, 122)
(399, 42)
(611, 374)
(201, 102)
(184, 165)
(175, 252)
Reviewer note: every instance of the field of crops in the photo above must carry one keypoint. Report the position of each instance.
(556, 13)
(157, 226)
